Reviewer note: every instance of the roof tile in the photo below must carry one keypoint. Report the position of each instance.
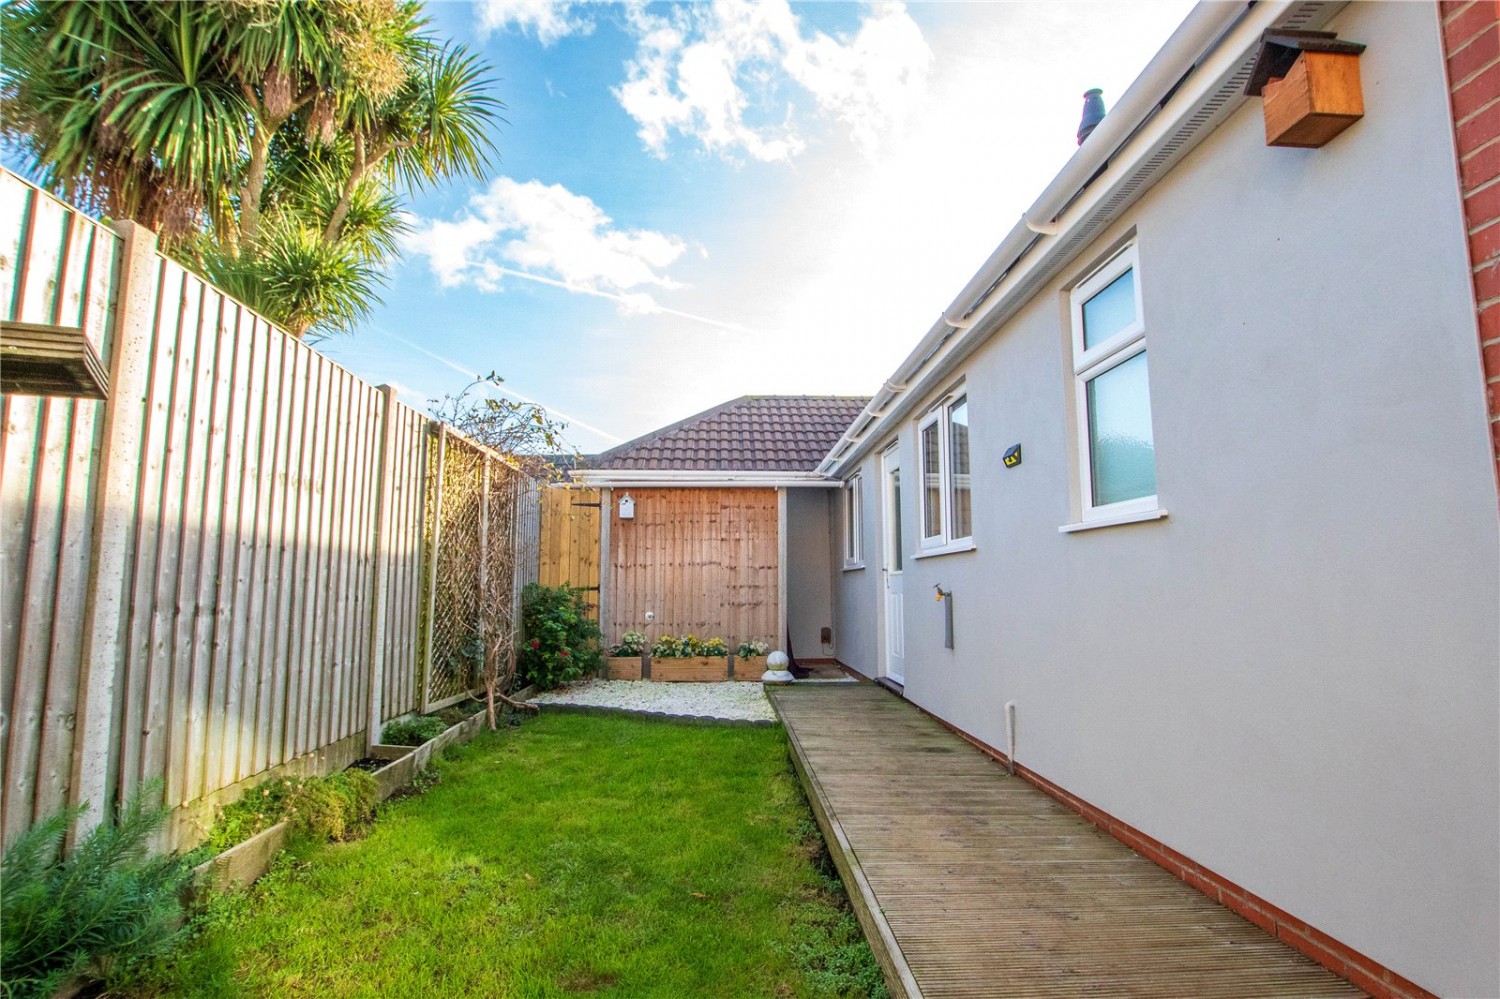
(751, 433)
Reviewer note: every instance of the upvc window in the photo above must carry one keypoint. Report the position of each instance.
(943, 453)
(1116, 449)
(853, 521)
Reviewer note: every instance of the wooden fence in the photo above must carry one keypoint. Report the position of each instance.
(702, 561)
(225, 569)
(570, 540)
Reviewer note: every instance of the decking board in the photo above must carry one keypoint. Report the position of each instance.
(975, 884)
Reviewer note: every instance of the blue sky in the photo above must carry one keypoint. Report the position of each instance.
(694, 202)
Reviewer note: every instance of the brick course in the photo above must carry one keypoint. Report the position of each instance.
(1471, 49)
(1381, 982)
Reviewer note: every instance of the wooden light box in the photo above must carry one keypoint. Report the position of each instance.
(1309, 86)
(37, 359)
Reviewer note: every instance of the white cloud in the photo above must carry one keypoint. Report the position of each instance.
(724, 74)
(546, 234)
(546, 19)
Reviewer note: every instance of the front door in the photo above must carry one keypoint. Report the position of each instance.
(892, 557)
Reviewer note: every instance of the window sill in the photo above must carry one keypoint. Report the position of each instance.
(853, 566)
(1138, 517)
(950, 549)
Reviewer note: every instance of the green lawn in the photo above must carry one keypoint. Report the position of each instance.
(574, 855)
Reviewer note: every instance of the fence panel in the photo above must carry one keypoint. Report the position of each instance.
(263, 503)
(56, 267)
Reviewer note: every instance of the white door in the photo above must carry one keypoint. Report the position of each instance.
(892, 557)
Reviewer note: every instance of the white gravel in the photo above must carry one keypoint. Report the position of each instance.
(737, 700)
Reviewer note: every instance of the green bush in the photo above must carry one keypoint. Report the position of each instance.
(339, 807)
(561, 643)
(100, 912)
(632, 643)
(412, 731)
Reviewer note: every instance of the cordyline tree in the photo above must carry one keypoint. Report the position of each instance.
(530, 441)
(264, 141)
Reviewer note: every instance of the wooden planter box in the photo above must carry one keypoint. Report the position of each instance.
(695, 669)
(1318, 98)
(624, 667)
(750, 668)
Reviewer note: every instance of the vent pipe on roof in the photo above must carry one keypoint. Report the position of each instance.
(1093, 113)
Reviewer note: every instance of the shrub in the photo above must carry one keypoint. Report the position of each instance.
(99, 912)
(339, 807)
(632, 643)
(750, 650)
(412, 731)
(561, 643)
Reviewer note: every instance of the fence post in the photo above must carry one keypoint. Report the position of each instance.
(113, 523)
(432, 567)
(384, 501)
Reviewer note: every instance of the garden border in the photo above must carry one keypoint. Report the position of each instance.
(245, 863)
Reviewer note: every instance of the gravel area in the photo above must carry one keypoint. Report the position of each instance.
(738, 700)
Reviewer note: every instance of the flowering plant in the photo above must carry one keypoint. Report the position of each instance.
(632, 643)
(667, 647)
(714, 647)
(750, 650)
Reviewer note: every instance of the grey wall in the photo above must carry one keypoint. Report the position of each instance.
(809, 589)
(856, 594)
(1293, 679)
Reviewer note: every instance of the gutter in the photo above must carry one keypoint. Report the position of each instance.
(698, 478)
(1197, 36)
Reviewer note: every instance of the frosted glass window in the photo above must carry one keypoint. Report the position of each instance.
(1110, 311)
(960, 497)
(932, 483)
(896, 559)
(1122, 453)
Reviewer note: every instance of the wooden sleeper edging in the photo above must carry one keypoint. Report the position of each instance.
(245, 863)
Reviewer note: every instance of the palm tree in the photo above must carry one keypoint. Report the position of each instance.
(264, 140)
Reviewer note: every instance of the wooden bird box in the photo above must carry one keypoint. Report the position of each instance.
(1309, 86)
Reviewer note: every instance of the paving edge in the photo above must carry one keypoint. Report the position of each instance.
(603, 712)
(882, 939)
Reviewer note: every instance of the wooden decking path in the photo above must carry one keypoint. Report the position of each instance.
(970, 882)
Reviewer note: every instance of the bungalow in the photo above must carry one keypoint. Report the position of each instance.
(1200, 468)
(717, 525)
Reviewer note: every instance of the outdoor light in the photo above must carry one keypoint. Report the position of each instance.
(627, 507)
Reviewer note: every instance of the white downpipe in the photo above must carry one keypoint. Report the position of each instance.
(1010, 735)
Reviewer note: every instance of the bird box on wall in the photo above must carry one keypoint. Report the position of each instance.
(1309, 86)
(627, 507)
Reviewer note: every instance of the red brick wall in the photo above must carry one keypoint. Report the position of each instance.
(1471, 45)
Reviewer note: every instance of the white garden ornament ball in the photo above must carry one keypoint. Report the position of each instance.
(776, 671)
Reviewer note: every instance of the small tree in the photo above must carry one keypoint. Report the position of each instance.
(523, 431)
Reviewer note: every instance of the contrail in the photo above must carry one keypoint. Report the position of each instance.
(512, 393)
(624, 300)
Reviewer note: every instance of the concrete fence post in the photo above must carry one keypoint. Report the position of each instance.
(384, 502)
(110, 562)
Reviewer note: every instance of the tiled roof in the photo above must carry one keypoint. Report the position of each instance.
(754, 433)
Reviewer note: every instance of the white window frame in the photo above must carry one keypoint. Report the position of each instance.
(1091, 362)
(944, 540)
(852, 496)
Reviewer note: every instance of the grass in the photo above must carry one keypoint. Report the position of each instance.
(576, 855)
